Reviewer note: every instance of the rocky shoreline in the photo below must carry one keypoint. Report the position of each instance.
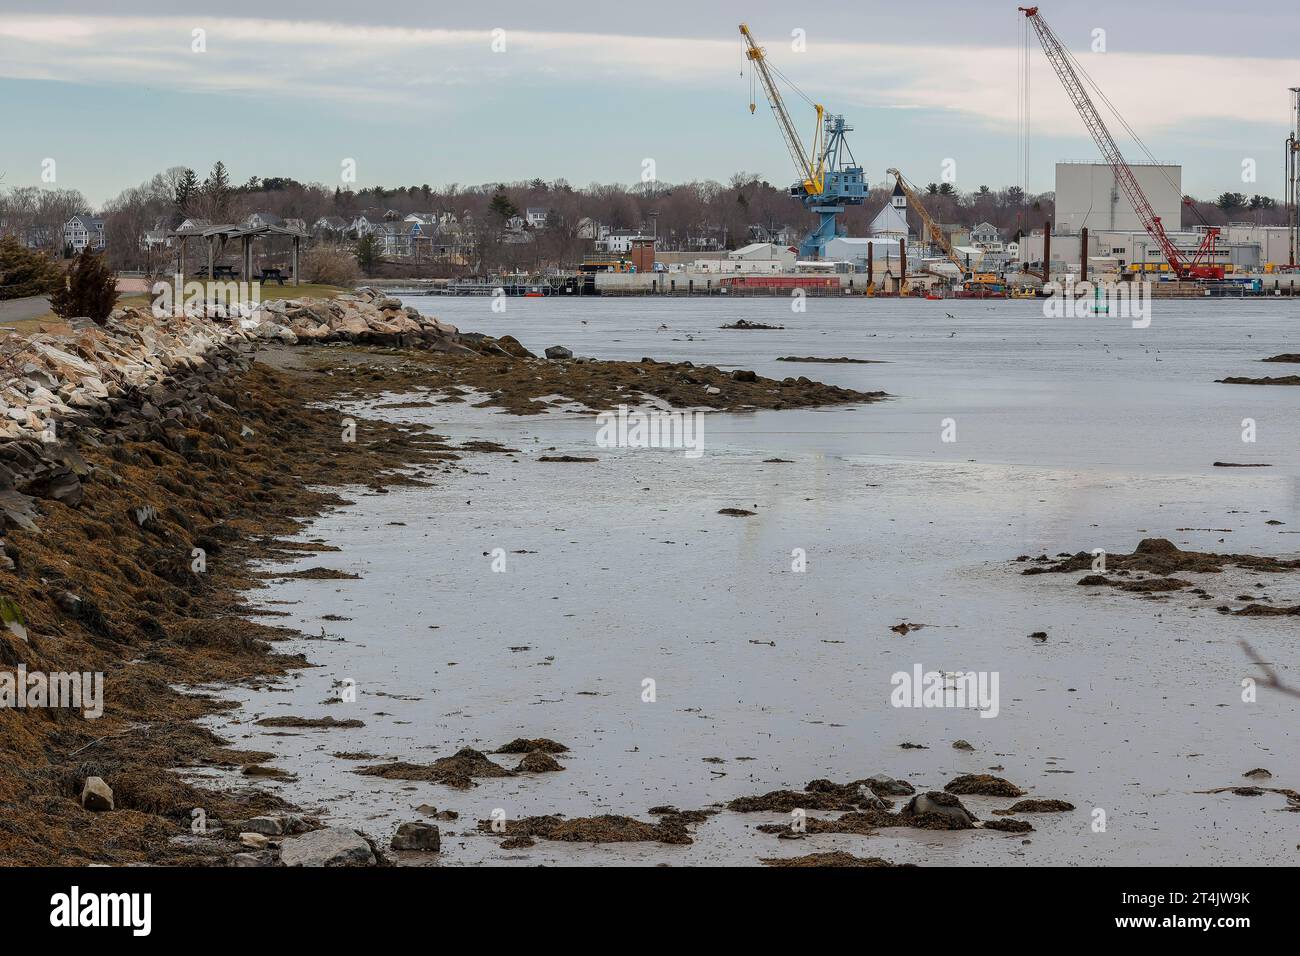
(146, 467)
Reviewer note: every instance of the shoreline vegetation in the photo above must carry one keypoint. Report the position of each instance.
(194, 438)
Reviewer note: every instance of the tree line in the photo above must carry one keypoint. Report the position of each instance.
(692, 215)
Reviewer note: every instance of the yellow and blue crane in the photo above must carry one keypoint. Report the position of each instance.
(829, 177)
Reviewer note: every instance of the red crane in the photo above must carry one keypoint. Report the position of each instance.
(1200, 265)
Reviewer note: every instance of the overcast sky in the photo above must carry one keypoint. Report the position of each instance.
(415, 93)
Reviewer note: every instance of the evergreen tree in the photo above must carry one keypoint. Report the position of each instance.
(368, 256)
(502, 207)
(90, 290)
(187, 190)
(25, 272)
(217, 190)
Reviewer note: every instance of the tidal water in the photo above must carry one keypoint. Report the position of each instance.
(1070, 435)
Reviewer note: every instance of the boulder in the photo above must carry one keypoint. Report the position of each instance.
(886, 786)
(267, 826)
(96, 794)
(942, 805)
(558, 352)
(417, 836)
(331, 846)
(538, 762)
(511, 346)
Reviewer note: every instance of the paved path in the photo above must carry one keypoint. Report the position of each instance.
(19, 310)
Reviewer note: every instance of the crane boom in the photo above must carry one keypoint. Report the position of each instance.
(811, 172)
(933, 232)
(1124, 176)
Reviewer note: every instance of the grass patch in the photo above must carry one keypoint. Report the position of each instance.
(141, 300)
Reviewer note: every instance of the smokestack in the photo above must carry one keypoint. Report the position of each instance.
(1083, 254)
(1047, 251)
(871, 267)
(902, 265)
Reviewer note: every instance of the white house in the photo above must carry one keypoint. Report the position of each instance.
(620, 240)
(84, 230)
(537, 216)
(361, 227)
(331, 226)
(262, 219)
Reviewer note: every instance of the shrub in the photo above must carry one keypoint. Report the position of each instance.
(329, 266)
(368, 255)
(90, 290)
(24, 272)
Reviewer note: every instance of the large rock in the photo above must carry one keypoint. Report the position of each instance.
(96, 794)
(512, 346)
(558, 352)
(267, 826)
(332, 846)
(417, 836)
(942, 805)
(886, 786)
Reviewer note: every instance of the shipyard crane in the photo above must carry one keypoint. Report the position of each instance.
(1199, 264)
(932, 231)
(829, 177)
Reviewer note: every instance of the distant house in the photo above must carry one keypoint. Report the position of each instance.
(619, 240)
(778, 235)
(83, 230)
(537, 216)
(362, 227)
(194, 226)
(703, 243)
(422, 230)
(262, 219)
(394, 239)
(985, 236)
(297, 224)
(156, 238)
(329, 227)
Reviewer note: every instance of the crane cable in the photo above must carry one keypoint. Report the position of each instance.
(1129, 129)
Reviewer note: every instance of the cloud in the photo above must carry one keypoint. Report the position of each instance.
(368, 66)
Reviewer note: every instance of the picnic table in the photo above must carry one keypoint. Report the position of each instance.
(225, 272)
(272, 274)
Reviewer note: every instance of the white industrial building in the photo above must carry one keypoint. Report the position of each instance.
(1087, 194)
(1242, 247)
